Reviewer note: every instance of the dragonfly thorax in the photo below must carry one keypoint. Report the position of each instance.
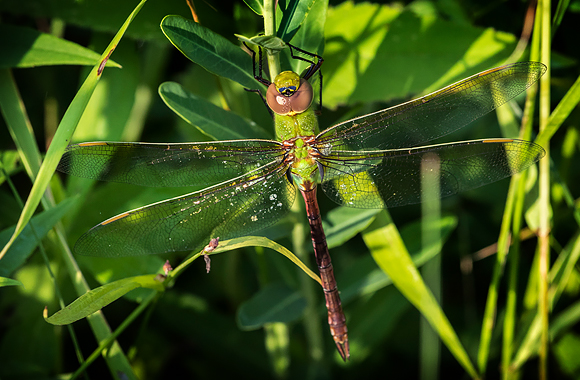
(302, 158)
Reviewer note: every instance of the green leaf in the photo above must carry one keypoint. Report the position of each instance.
(31, 236)
(213, 121)
(392, 53)
(25, 47)
(343, 223)
(273, 303)
(9, 282)
(267, 42)
(388, 250)
(103, 15)
(310, 36)
(9, 163)
(258, 241)
(209, 50)
(364, 278)
(566, 353)
(294, 13)
(100, 297)
(106, 270)
(256, 5)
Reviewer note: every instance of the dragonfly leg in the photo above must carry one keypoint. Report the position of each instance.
(314, 68)
(263, 99)
(259, 76)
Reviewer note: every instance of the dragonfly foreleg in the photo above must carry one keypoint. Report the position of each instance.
(312, 69)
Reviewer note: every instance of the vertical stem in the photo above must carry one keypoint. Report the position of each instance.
(544, 241)
(492, 294)
(270, 30)
(431, 271)
(544, 181)
(311, 320)
(514, 257)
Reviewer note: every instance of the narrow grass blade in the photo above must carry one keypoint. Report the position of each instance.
(388, 250)
(29, 239)
(560, 113)
(430, 345)
(9, 282)
(65, 131)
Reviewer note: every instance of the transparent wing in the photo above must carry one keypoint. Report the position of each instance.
(434, 115)
(393, 178)
(168, 165)
(231, 209)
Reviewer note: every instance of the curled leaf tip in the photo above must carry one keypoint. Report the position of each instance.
(104, 61)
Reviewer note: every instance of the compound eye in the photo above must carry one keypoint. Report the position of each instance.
(297, 102)
(302, 98)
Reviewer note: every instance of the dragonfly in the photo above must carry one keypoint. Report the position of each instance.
(371, 161)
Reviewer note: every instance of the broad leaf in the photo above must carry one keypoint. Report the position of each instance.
(213, 121)
(25, 47)
(209, 50)
(100, 297)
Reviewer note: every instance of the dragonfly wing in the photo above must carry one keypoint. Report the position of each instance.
(437, 114)
(231, 209)
(393, 178)
(168, 165)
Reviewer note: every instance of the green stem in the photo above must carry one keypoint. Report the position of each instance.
(102, 349)
(431, 271)
(492, 294)
(270, 30)
(544, 181)
(311, 318)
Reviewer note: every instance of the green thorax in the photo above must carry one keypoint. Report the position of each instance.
(290, 97)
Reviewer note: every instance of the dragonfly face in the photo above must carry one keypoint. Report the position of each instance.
(372, 161)
(289, 94)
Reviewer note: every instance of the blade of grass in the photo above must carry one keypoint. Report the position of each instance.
(430, 355)
(65, 130)
(390, 254)
(544, 232)
(560, 113)
(529, 345)
(514, 256)
(492, 293)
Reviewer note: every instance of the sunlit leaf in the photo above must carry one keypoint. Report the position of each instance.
(209, 50)
(213, 121)
(24, 47)
(100, 297)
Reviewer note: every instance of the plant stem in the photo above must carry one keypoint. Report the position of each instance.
(270, 30)
(544, 181)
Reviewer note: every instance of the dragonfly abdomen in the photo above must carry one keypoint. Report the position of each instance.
(336, 318)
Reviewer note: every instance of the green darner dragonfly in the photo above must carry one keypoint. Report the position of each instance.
(372, 161)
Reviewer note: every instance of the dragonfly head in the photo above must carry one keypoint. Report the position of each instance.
(289, 94)
(287, 82)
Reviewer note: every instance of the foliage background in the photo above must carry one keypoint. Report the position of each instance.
(376, 55)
